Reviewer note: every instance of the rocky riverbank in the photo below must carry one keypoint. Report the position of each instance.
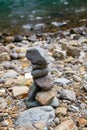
(67, 57)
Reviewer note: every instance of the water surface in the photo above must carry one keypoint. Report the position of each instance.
(14, 14)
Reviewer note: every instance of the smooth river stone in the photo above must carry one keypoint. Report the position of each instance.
(45, 83)
(36, 55)
(39, 73)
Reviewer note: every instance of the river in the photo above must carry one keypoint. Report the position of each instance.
(54, 14)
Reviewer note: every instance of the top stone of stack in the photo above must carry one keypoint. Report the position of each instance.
(37, 56)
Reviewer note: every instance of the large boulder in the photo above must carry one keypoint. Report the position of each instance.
(45, 114)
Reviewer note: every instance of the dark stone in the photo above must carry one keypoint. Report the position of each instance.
(14, 55)
(2, 81)
(18, 38)
(73, 51)
(73, 31)
(32, 104)
(45, 83)
(35, 67)
(30, 101)
(36, 55)
(39, 73)
(1, 118)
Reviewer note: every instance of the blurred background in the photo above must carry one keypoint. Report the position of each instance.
(48, 15)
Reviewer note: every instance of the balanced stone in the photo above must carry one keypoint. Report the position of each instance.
(39, 73)
(37, 55)
(35, 66)
(45, 83)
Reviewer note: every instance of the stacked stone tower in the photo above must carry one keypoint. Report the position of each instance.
(41, 78)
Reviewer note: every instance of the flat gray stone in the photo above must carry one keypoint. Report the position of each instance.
(67, 94)
(45, 83)
(62, 81)
(37, 55)
(39, 72)
(45, 114)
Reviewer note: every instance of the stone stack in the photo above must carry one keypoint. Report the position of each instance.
(41, 79)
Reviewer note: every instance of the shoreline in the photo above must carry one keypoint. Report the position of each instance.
(42, 27)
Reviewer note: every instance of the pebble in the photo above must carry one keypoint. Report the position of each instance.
(3, 49)
(84, 81)
(56, 121)
(82, 122)
(55, 102)
(14, 55)
(63, 81)
(73, 108)
(73, 51)
(76, 78)
(28, 76)
(10, 74)
(44, 98)
(58, 54)
(8, 65)
(25, 127)
(20, 91)
(40, 126)
(61, 111)
(66, 125)
(2, 81)
(67, 94)
(3, 103)
(18, 38)
(4, 57)
(9, 39)
(39, 26)
(32, 38)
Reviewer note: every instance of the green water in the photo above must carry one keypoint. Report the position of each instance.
(16, 13)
